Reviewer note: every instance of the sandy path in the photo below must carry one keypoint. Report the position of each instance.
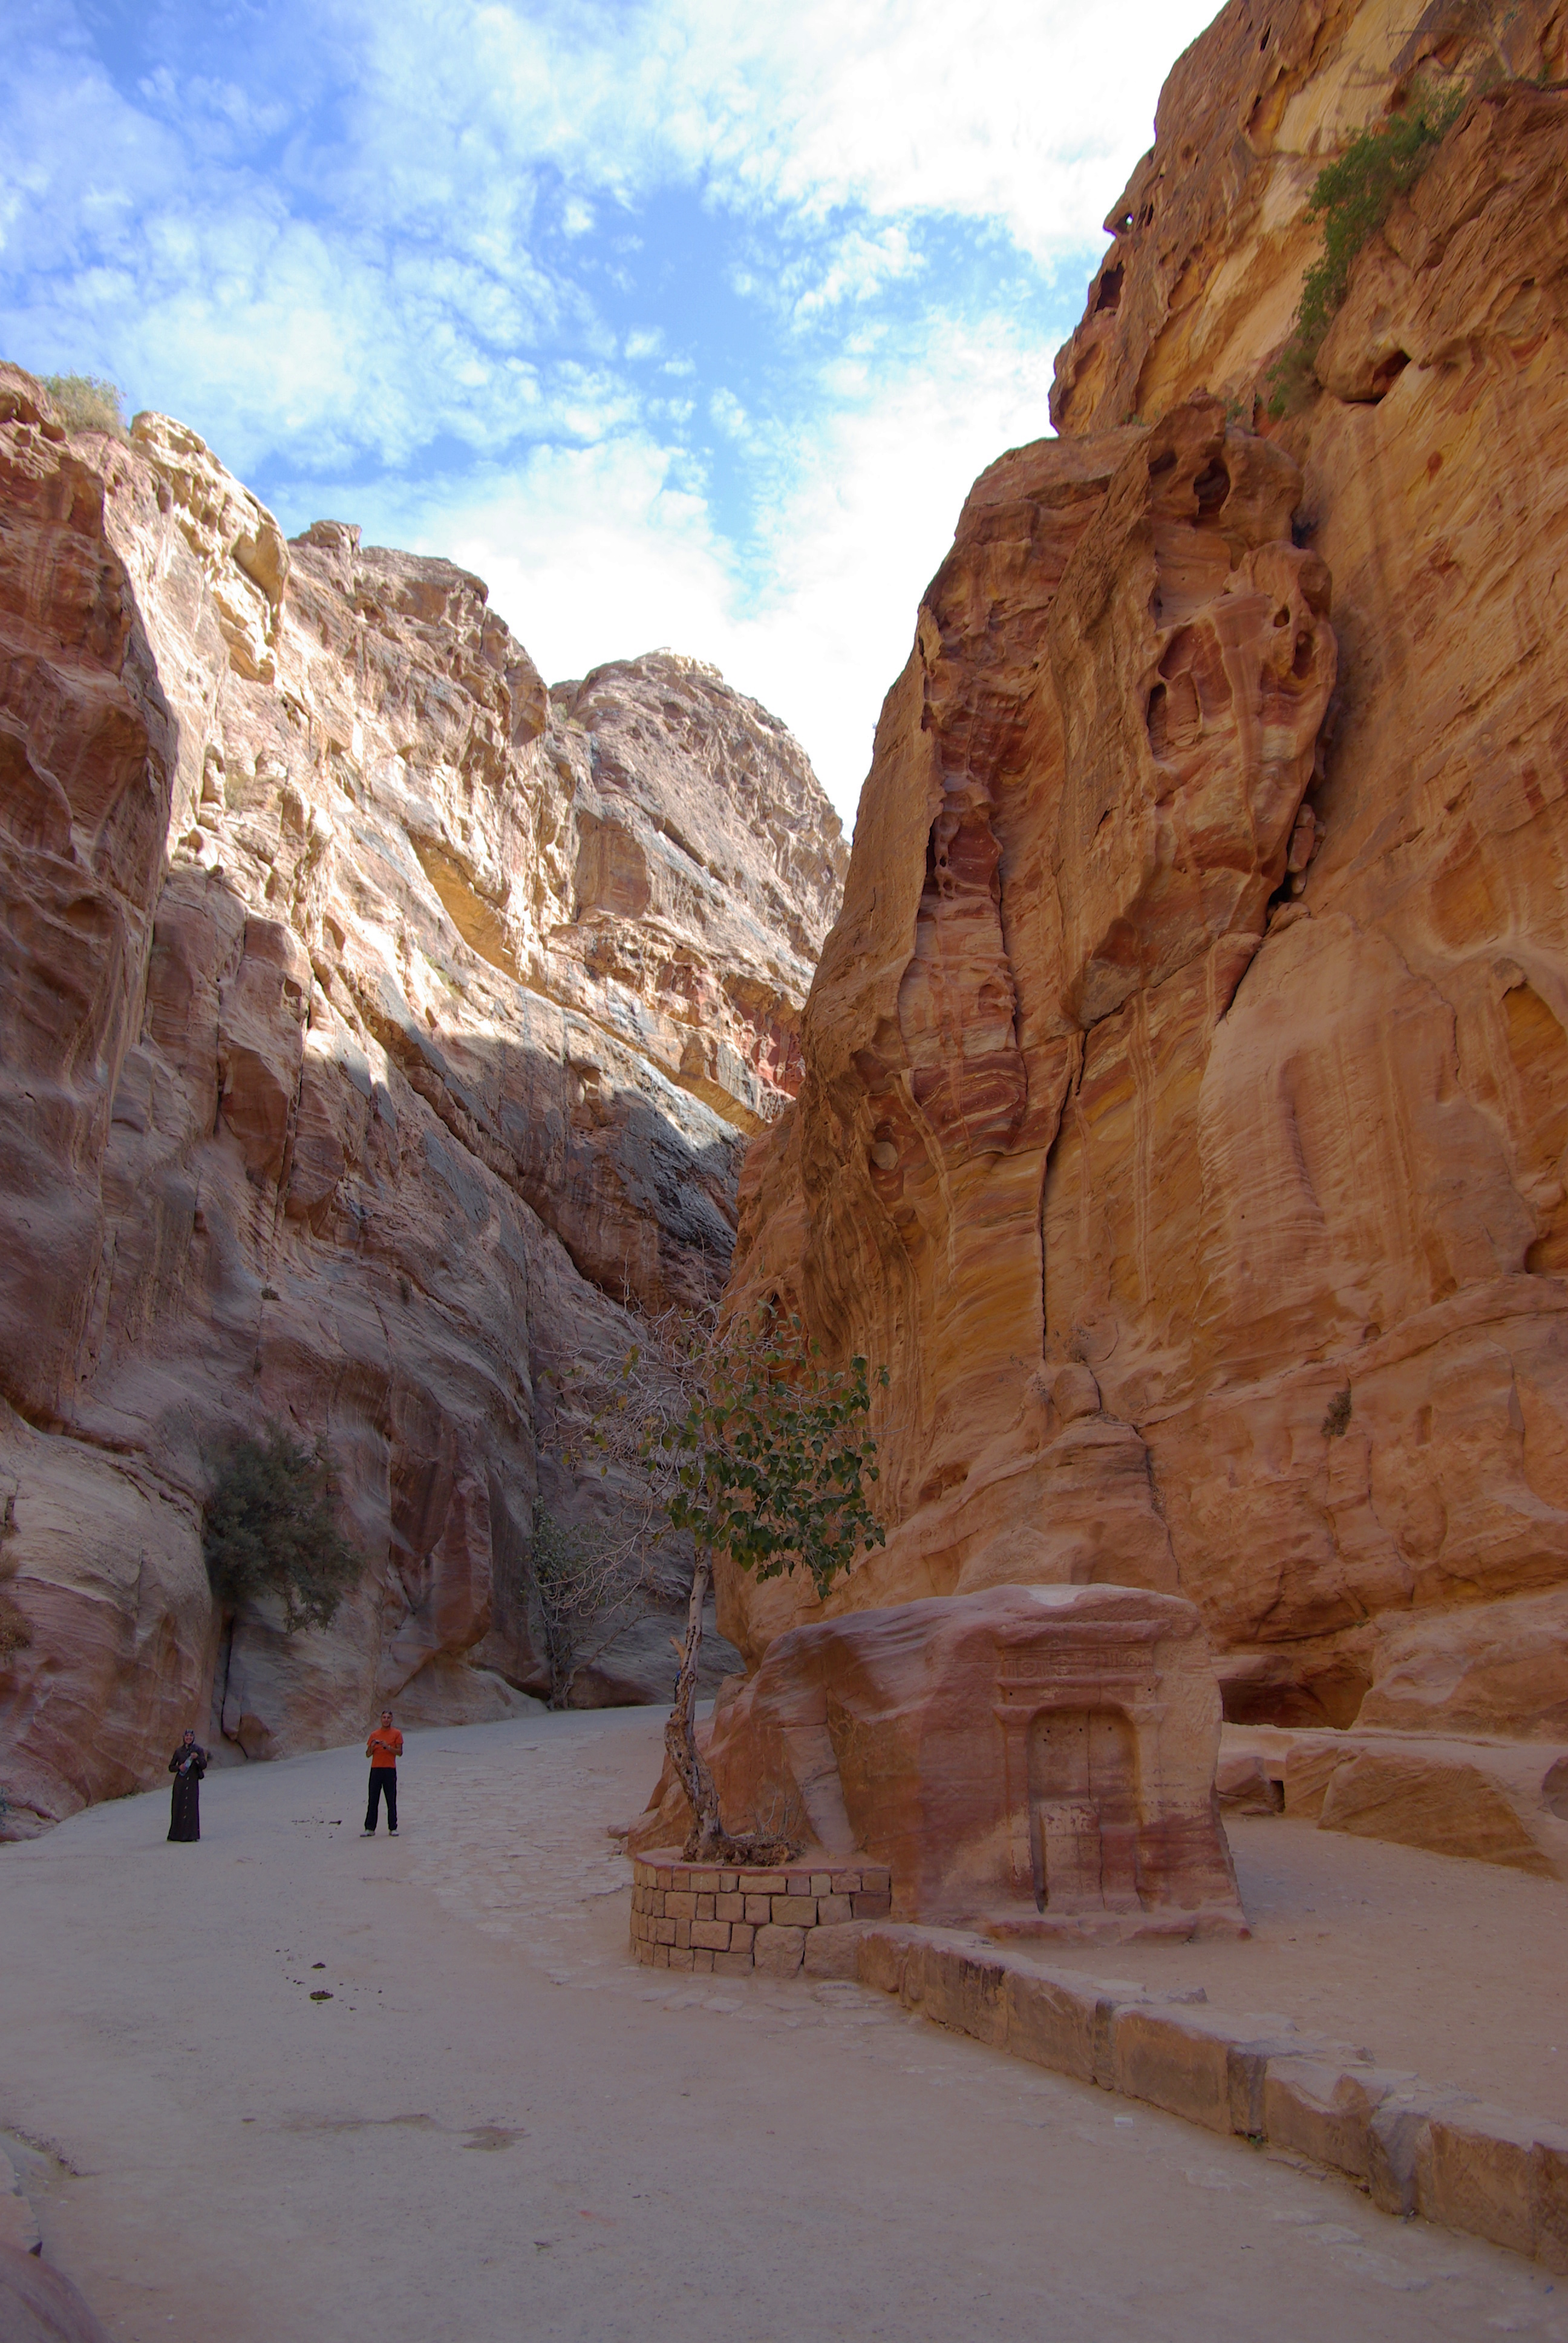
(497, 2128)
(1459, 1970)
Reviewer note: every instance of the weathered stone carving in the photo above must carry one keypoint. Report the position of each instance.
(1034, 1760)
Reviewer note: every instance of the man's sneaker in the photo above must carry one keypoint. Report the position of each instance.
(366, 1834)
(392, 1833)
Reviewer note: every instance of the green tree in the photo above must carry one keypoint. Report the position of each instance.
(587, 1583)
(270, 1527)
(753, 1448)
(15, 1633)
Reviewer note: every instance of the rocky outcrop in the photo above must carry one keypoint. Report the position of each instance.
(40, 2304)
(1186, 1087)
(375, 1022)
(1089, 1814)
(1496, 1800)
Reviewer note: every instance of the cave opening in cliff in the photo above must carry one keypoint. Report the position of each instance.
(1211, 488)
(1387, 373)
(1327, 1696)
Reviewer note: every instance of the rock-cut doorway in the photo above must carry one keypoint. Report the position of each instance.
(1083, 1810)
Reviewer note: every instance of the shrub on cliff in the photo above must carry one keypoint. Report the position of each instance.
(754, 1449)
(269, 1527)
(15, 1633)
(1353, 196)
(88, 402)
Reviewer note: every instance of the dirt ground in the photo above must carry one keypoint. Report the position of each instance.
(497, 2128)
(1456, 1970)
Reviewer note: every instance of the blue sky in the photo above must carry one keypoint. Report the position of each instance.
(685, 323)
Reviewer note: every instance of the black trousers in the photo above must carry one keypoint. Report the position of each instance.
(383, 1785)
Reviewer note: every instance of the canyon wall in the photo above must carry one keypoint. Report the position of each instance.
(1186, 1078)
(373, 1023)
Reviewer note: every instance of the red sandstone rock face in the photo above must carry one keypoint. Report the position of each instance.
(338, 1083)
(1186, 1087)
(1085, 853)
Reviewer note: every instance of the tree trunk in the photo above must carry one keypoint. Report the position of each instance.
(227, 1671)
(559, 1652)
(681, 1732)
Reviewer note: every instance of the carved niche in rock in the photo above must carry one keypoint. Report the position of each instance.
(1029, 1760)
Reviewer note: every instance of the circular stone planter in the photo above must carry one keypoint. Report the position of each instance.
(720, 1920)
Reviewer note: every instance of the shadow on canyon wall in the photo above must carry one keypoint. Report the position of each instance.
(277, 1142)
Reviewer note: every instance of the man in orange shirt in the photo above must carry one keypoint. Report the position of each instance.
(384, 1748)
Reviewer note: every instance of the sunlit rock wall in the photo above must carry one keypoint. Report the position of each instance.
(1186, 1087)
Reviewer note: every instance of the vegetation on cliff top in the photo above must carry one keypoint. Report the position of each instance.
(270, 1527)
(88, 402)
(1353, 196)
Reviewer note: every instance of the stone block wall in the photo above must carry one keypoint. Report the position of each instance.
(720, 1920)
(1414, 2147)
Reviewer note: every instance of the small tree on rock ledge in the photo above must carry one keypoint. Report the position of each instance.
(754, 1449)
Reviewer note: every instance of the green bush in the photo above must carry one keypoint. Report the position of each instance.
(1353, 196)
(15, 1633)
(583, 1594)
(88, 402)
(269, 1527)
(1337, 1418)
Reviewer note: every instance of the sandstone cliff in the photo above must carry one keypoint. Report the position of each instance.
(1186, 1089)
(373, 1022)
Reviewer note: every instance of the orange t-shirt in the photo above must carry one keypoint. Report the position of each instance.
(385, 1745)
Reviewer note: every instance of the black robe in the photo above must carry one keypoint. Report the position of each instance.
(185, 1807)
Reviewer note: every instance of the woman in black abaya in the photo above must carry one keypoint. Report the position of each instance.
(187, 1766)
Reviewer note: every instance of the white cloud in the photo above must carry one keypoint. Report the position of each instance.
(729, 416)
(859, 267)
(365, 278)
(389, 225)
(600, 553)
(1028, 112)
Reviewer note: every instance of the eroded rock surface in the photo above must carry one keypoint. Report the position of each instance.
(1186, 1091)
(877, 1734)
(372, 1024)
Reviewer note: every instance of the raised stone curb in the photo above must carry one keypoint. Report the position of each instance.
(18, 2222)
(719, 1920)
(1412, 2147)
